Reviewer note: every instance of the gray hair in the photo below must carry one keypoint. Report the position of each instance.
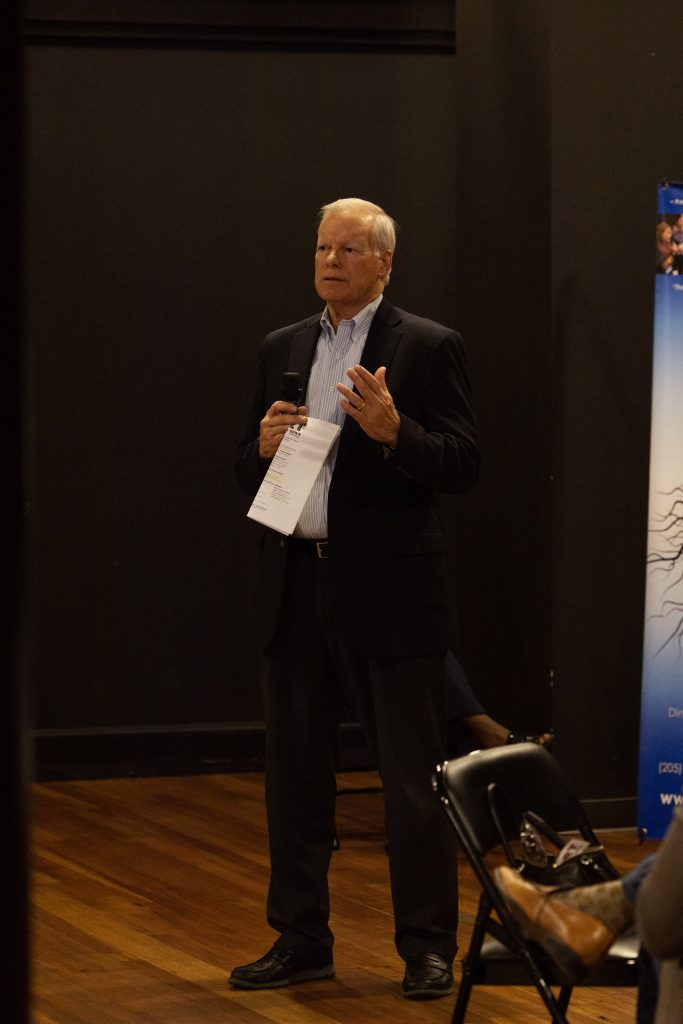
(382, 226)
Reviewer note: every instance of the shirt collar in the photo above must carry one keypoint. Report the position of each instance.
(360, 322)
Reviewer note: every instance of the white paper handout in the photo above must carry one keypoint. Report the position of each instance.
(291, 474)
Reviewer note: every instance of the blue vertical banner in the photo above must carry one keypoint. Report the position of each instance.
(661, 723)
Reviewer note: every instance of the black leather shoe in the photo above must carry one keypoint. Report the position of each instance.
(428, 976)
(280, 967)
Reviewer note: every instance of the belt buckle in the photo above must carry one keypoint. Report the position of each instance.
(321, 548)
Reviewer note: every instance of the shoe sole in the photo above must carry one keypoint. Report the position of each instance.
(428, 993)
(306, 974)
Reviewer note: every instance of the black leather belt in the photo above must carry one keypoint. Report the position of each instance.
(318, 548)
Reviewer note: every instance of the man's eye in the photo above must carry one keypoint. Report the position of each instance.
(323, 248)
(349, 248)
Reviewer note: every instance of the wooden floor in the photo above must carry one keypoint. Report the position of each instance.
(145, 893)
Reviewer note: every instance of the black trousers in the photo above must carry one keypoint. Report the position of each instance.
(312, 673)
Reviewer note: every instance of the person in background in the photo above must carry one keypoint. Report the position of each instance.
(665, 249)
(469, 725)
(677, 244)
(354, 610)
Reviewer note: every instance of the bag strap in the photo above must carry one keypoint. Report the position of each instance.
(542, 826)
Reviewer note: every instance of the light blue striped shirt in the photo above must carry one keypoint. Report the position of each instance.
(335, 353)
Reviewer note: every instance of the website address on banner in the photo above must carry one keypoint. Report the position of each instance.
(671, 799)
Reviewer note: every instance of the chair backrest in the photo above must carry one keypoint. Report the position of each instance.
(529, 778)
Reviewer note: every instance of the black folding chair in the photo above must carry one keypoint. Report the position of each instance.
(498, 953)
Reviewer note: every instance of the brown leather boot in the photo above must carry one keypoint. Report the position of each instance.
(575, 942)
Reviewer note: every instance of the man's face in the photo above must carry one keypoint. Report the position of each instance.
(349, 272)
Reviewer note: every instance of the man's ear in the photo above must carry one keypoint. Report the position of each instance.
(385, 263)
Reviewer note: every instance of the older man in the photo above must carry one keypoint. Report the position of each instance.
(353, 610)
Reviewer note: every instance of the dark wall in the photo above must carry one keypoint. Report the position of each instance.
(172, 190)
(174, 171)
(503, 247)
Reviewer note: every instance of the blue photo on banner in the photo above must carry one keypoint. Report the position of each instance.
(661, 727)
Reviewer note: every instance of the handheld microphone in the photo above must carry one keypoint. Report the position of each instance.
(291, 388)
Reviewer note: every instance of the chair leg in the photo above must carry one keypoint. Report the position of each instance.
(472, 955)
(557, 1011)
(464, 992)
(564, 997)
(483, 925)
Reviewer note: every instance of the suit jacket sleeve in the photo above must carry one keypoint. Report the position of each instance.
(438, 444)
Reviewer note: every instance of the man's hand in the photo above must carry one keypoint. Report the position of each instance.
(275, 424)
(372, 408)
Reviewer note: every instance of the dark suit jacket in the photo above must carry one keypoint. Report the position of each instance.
(389, 554)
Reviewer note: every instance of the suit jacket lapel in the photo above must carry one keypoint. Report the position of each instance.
(380, 345)
(383, 337)
(378, 350)
(303, 350)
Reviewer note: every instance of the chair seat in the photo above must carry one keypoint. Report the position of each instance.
(497, 965)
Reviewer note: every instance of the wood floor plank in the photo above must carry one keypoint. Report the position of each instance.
(146, 892)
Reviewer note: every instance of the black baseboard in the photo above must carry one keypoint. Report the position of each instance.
(64, 754)
(611, 812)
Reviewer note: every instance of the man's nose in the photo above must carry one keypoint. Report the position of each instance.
(333, 255)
